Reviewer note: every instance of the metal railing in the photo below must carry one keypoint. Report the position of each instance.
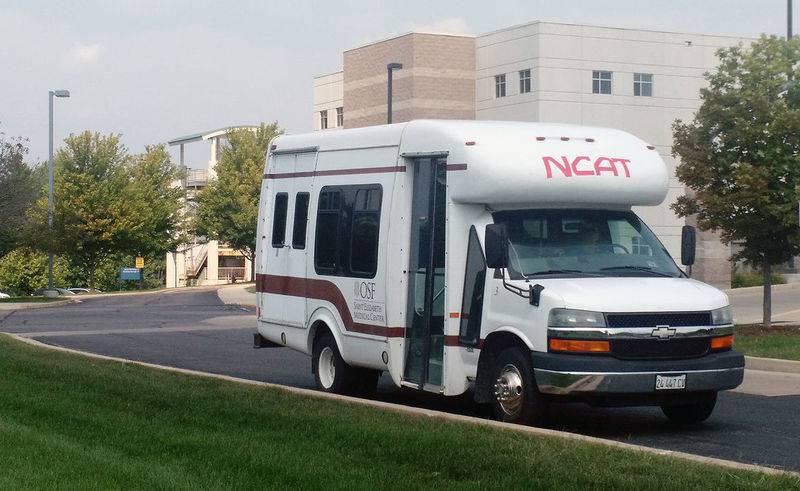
(230, 273)
(196, 178)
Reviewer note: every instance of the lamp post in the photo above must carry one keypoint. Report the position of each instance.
(51, 94)
(788, 19)
(389, 68)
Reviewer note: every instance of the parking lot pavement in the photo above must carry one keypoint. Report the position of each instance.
(747, 304)
(195, 330)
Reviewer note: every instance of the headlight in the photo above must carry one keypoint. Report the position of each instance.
(576, 318)
(722, 316)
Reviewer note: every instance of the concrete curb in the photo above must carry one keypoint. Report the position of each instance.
(771, 364)
(783, 286)
(414, 411)
(10, 306)
(134, 293)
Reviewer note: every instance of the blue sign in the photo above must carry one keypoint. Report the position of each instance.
(130, 274)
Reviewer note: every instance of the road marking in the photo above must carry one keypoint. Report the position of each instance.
(531, 430)
(141, 330)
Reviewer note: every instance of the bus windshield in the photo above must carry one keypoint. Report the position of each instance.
(576, 243)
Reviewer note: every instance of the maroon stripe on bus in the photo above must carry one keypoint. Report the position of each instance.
(455, 166)
(336, 172)
(322, 290)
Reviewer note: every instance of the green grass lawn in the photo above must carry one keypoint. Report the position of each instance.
(70, 421)
(777, 342)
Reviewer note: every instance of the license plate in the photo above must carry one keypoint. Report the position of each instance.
(670, 382)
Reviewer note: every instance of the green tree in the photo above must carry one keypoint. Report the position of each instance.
(153, 204)
(90, 218)
(740, 155)
(227, 209)
(19, 189)
(24, 270)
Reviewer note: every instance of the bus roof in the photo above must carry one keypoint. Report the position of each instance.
(509, 162)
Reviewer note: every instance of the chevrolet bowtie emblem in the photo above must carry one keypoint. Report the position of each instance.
(663, 332)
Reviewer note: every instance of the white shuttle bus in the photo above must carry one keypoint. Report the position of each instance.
(498, 256)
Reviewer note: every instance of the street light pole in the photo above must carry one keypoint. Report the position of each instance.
(50, 206)
(788, 19)
(389, 68)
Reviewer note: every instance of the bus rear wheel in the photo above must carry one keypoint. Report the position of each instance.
(331, 372)
(516, 397)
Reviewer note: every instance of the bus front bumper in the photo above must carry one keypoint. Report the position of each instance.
(588, 375)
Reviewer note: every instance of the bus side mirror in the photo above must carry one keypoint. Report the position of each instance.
(496, 243)
(688, 245)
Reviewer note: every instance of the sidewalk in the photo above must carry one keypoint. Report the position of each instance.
(747, 304)
(237, 294)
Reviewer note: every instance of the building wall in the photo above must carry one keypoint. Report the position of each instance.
(437, 79)
(452, 77)
(561, 58)
(328, 95)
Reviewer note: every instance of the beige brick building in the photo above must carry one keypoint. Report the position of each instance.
(636, 80)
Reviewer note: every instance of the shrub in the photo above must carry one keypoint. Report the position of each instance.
(741, 280)
(24, 270)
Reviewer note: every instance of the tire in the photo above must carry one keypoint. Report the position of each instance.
(691, 414)
(516, 396)
(331, 372)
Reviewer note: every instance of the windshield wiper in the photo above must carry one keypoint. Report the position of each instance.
(558, 271)
(639, 268)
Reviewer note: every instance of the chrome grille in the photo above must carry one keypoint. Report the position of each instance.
(671, 319)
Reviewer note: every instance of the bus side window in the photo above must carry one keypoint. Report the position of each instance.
(279, 220)
(364, 232)
(472, 301)
(326, 245)
(300, 221)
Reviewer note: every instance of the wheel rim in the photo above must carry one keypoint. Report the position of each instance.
(326, 368)
(508, 390)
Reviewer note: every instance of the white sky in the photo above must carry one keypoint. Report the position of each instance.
(154, 70)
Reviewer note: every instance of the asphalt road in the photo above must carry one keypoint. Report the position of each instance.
(194, 329)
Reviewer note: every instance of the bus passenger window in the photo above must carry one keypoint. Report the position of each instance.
(366, 223)
(300, 221)
(279, 220)
(326, 245)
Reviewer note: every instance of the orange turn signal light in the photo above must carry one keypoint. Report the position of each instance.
(722, 342)
(579, 346)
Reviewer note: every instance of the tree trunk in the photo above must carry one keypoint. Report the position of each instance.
(252, 267)
(767, 270)
(91, 277)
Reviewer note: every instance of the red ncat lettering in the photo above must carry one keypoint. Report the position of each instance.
(583, 165)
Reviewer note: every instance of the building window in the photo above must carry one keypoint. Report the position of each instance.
(300, 221)
(323, 120)
(643, 84)
(339, 117)
(279, 220)
(601, 82)
(524, 81)
(348, 222)
(499, 86)
(640, 247)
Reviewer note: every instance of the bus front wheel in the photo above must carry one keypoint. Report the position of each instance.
(516, 397)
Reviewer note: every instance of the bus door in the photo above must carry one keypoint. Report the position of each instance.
(425, 319)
